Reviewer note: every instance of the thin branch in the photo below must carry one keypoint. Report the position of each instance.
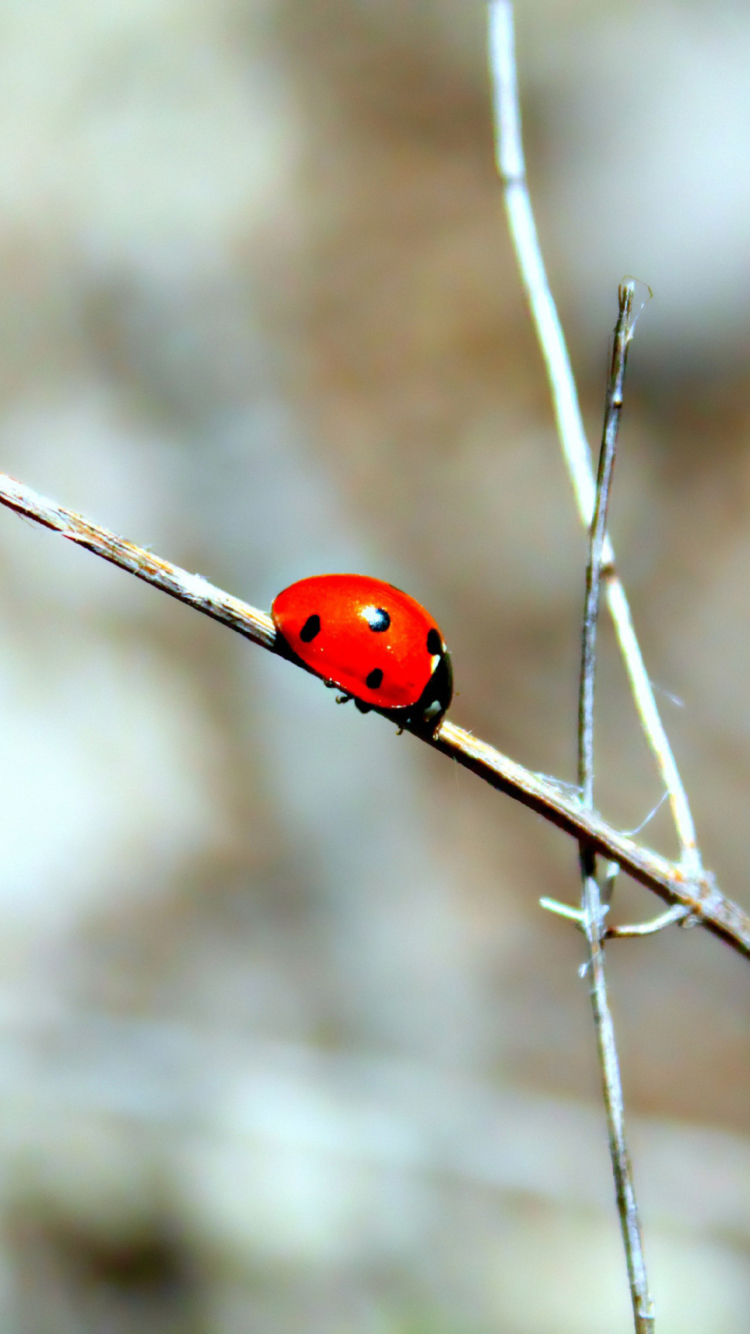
(678, 915)
(665, 919)
(547, 798)
(554, 801)
(192, 589)
(622, 338)
(592, 912)
(512, 169)
(627, 1207)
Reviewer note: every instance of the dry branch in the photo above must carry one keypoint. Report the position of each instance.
(556, 802)
(512, 170)
(592, 910)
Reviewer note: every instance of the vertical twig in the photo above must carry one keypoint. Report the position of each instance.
(613, 410)
(512, 169)
(591, 901)
(592, 504)
(643, 1313)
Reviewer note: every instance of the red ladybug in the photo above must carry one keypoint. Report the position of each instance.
(374, 642)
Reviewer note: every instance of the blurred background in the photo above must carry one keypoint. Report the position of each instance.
(286, 1042)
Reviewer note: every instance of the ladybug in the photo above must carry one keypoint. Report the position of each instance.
(377, 644)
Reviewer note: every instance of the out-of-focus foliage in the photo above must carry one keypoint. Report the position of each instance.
(286, 1042)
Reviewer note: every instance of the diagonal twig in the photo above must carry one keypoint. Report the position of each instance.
(651, 928)
(592, 913)
(512, 170)
(554, 801)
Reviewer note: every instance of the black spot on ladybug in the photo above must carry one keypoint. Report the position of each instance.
(377, 618)
(310, 629)
(434, 642)
(375, 679)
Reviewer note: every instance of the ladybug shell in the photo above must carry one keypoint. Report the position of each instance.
(374, 642)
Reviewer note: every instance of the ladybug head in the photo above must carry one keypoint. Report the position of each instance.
(436, 696)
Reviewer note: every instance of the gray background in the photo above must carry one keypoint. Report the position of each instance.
(287, 1043)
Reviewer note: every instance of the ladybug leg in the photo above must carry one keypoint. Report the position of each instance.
(363, 708)
(342, 699)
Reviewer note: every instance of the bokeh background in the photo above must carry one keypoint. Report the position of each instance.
(286, 1042)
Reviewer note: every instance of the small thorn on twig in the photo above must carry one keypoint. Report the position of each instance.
(563, 910)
